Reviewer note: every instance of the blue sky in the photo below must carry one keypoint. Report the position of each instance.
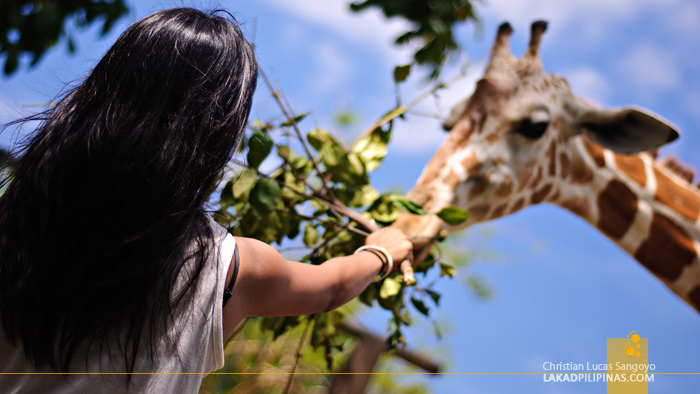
(561, 288)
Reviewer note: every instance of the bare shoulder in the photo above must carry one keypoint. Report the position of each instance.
(257, 257)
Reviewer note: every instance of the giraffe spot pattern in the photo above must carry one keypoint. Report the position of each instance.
(479, 185)
(564, 165)
(554, 196)
(498, 212)
(595, 151)
(633, 167)
(536, 180)
(617, 206)
(478, 212)
(578, 205)
(518, 205)
(539, 196)
(676, 197)
(667, 248)
(694, 296)
(580, 173)
(505, 188)
(552, 155)
(452, 180)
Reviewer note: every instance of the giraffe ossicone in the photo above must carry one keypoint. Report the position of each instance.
(524, 138)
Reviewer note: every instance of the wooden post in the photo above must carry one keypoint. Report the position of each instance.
(364, 358)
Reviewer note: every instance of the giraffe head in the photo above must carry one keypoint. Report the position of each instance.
(515, 141)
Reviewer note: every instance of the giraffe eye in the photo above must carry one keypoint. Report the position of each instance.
(531, 130)
(535, 126)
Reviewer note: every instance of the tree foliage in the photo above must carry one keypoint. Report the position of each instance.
(256, 363)
(305, 191)
(433, 21)
(316, 194)
(31, 27)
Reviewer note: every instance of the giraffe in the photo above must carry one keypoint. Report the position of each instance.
(524, 138)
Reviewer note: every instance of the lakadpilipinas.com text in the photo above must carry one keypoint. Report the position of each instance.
(590, 372)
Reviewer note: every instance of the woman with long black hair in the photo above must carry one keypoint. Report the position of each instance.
(108, 261)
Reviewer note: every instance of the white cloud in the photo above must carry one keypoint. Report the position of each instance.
(424, 134)
(525, 11)
(458, 91)
(651, 69)
(588, 84)
(684, 18)
(368, 27)
(692, 105)
(333, 67)
(416, 134)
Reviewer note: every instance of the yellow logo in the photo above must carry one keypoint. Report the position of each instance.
(629, 371)
(633, 348)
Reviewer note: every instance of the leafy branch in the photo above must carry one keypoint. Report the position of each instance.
(316, 192)
(432, 22)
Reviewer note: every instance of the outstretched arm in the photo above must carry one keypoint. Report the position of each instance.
(269, 285)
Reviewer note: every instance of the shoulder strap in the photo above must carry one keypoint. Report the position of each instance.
(228, 292)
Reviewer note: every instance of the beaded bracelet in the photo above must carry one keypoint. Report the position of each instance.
(384, 272)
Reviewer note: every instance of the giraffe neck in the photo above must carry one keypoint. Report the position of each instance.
(643, 207)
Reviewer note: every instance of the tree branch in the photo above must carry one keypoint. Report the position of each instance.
(311, 321)
(400, 110)
(290, 119)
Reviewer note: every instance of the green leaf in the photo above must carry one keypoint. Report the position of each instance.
(291, 182)
(300, 165)
(320, 207)
(257, 124)
(420, 306)
(401, 73)
(386, 208)
(245, 182)
(336, 160)
(269, 228)
(310, 235)
(293, 228)
(332, 154)
(453, 215)
(371, 149)
(436, 328)
(365, 196)
(434, 295)
(402, 317)
(248, 224)
(480, 287)
(426, 264)
(297, 119)
(447, 270)
(407, 205)
(265, 196)
(369, 294)
(390, 287)
(259, 146)
(226, 199)
(285, 153)
(346, 118)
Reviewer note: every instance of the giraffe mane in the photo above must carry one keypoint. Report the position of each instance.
(675, 165)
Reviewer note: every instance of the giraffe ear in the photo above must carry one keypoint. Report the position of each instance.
(626, 130)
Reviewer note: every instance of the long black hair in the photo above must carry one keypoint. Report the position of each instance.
(104, 205)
